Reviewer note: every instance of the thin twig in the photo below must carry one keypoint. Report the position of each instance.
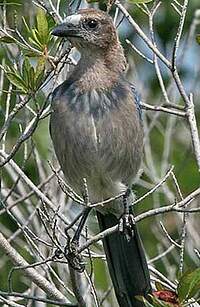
(179, 33)
(193, 128)
(142, 34)
(169, 237)
(36, 298)
(38, 279)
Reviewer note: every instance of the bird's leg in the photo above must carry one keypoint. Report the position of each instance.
(71, 249)
(84, 217)
(127, 221)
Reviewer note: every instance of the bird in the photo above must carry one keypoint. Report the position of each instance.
(97, 133)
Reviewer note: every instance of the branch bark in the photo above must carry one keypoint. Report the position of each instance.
(33, 274)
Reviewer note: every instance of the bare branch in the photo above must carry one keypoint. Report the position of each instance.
(30, 272)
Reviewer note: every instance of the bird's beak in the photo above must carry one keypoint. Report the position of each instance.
(69, 28)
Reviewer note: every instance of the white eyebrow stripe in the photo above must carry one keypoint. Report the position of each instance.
(73, 19)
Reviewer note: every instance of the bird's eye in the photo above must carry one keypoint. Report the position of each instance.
(91, 24)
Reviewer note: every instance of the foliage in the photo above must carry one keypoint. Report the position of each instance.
(189, 285)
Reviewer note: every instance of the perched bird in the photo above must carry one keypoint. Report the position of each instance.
(96, 129)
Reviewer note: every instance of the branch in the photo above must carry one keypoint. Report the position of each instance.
(149, 107)
(36, 298)
(38, 279)
(75, 279)
(193, 128)
(33, 187)
(172, 67)
(143, 35)
(177, 207)
(179, 33)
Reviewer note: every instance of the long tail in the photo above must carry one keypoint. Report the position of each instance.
(126, 262)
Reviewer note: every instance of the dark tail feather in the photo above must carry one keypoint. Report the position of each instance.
(126, 262)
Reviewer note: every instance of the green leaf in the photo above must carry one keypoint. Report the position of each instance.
(143, 300)
(40, 66)
(198, 39)
(158, 303)
(25, 70)
(140, 1)
(154, 302)
(7, 39)
(30, 53)
(39, 72)
(189, 285)
(32, 78)
(32, 41)
(12, 69)
(17, 81)
(42, 26)
(39, 80)
(159, 286)
(26, 25)
(92, 1)
(36, 37)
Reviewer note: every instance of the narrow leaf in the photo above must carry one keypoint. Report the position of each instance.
(40, 66)
(42, 26)
(30, 53)
(34, 43)
(189, 285)
(159, 286)
(39, 79)
(26, 25)
(140, 1)
(7, 39)
(32, 78)
(39, 72)
(25, 70)
(36, 37)
(17, 81)
(147, 304)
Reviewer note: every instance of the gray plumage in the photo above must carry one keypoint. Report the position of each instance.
(97, 134)
(99, 143)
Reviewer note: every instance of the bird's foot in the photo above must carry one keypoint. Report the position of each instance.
(126, 225)
(127, 221)
(73, 257)
(58, 254)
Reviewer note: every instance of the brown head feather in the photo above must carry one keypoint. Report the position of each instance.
(93, 33)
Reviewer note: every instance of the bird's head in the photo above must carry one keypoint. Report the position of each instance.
(88, 28)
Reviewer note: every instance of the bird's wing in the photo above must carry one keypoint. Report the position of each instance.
(137, 100)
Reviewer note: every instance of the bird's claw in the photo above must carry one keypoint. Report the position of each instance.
(126, 225)
(58, 254)
(74, 258)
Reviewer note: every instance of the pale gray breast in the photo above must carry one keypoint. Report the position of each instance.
(97, 137)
